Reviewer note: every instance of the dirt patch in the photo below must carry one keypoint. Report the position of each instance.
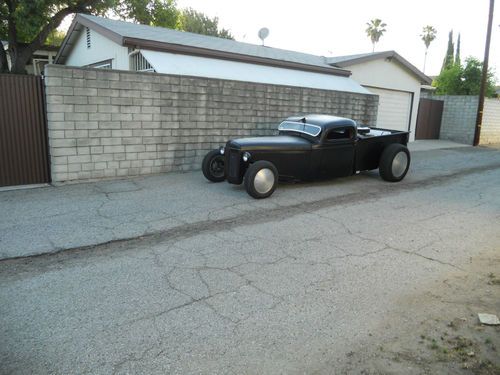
(436, 330)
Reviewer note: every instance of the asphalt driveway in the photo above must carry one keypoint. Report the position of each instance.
(52, 219)
(227, 284)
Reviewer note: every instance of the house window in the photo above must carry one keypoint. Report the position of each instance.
(87, 33)
(38, 65)
(139, 64)
(103, 66)
(106, 64)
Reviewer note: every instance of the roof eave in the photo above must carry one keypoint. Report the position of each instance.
(70, 35)
(68, 42)
(223, 55)
(424, 79)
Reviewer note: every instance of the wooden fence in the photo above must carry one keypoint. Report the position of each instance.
(23, 131)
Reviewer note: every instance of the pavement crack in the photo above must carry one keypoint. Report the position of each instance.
(423, 256)
(132, 358)
(268, 215)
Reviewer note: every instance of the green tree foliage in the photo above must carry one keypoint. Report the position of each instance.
(457, 53)
(55, 38)
(448, 58)
(162, 13)
(464, 80)
(26, 24)
(375, 30)
(199, 23)
(472, 73)
(449, 81)
(428, 35)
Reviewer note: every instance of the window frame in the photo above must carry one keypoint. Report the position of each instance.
(283, 124)
(352, 134)
(101, 64)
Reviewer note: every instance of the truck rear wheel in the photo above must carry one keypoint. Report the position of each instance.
(394, 162)
(213, 166)
(261, 179)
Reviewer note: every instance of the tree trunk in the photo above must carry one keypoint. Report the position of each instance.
(425, 60)
(4, 66)
(19, 58)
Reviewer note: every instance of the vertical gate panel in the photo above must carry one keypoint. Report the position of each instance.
(23, 131)
(429, 116)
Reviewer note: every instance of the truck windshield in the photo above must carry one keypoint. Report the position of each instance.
(300, 127)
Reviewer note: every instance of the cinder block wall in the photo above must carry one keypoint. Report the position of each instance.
(108, 123)
(490, 128)
(459, 117)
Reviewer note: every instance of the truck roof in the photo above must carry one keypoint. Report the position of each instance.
(323, 121)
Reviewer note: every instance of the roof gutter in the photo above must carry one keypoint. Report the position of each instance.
(210, 53)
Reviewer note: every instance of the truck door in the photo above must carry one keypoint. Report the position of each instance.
(337, 152)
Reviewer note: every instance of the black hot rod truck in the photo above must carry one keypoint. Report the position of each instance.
(307, 148)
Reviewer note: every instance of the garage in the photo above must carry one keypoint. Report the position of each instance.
(396, 81)
(394, 108)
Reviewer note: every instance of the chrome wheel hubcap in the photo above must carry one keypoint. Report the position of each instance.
(264, 180)
(399, 164)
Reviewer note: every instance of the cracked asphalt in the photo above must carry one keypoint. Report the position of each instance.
(212, 281)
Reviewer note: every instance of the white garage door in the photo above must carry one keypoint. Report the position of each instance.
(393, 109)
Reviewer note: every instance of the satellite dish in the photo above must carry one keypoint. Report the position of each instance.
(263, 34)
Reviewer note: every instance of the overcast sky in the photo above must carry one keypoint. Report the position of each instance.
(338, 27)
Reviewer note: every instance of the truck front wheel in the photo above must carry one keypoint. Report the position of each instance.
(261, 179)
(213, 166)
(394, 162)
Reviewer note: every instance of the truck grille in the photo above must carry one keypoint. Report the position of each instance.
(234, 164)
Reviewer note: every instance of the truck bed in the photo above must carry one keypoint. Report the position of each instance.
(370, 145)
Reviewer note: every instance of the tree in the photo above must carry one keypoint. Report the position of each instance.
(464, 80)
(448, 58)
(162, 13)
(428, 35)
(199, 23)
(375, 30)
(449, 81)
(55, 38)
(26, 24)
(457, 53)
(3, 33)
(471, 75)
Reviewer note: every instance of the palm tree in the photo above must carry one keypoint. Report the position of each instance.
(428, 35)
(375, 30)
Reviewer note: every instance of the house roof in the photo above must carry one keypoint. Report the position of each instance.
(175, 63)
(349, 60)
(168, 40)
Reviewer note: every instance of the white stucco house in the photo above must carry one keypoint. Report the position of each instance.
(394, 79)
(111, 44)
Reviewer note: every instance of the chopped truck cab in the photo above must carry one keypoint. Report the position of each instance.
(308, 148)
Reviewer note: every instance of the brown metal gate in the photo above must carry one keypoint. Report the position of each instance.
(429, 116)
(23, 131)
